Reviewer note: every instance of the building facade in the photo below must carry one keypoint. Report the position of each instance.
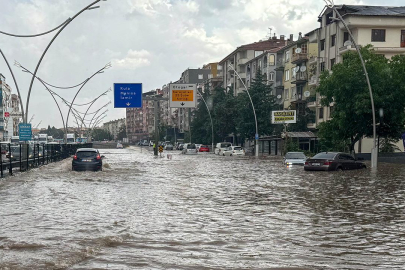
(114, 127)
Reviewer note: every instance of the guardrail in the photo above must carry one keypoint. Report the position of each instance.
(28, 156)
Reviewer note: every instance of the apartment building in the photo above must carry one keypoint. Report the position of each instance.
(9, 111)
(239, 58)
(114, 127)
(381, 26)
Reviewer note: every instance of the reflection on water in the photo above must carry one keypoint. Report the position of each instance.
(201, 212)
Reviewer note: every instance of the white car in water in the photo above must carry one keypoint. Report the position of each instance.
(294, 158)
(233, 151)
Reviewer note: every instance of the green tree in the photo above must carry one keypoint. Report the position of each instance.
(99, 134)
(264, 103)
(122, 133)
(346, 87)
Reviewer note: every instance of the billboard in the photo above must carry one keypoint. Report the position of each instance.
(284, 117)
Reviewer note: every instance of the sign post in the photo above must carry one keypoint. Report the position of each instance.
(25, 132)
(127, 95)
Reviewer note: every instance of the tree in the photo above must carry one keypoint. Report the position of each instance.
(264, 103)
(100, 134)
(347, 88)
(122, 133)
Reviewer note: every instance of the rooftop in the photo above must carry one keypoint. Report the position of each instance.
(363, 10)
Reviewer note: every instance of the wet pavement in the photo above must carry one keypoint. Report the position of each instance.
(201, 212)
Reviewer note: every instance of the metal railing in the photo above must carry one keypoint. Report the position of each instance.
(23, 157)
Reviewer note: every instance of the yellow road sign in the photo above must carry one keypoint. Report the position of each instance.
(160, 148)
(183, 95)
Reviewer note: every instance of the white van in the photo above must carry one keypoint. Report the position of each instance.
(221, 147)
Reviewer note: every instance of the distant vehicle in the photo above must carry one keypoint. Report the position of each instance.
(87, 159)
(169, 146)
(189, 149)
(43, 138)
(15, 153)
(50, 139)
(204, 148)
(15, 139)
(221, 146)
(36, 139)
(233, 151)
(333, 161)
(81, 140)
(198, 145)
(120, 146)
(180, 146)
(70, 138)
(294, 158)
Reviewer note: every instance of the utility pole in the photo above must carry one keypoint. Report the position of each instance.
(189, 122)
(156, 116)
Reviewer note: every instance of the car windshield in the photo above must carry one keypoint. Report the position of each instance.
(191, 146)
(86, 154)
(295, 156)
(237, 148)
(324, 156)
(225, 145)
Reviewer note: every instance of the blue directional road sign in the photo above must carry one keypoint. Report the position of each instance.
(256, 136)
(25, 132)
(127, 95)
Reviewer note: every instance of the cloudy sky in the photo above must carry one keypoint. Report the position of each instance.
(147, 41)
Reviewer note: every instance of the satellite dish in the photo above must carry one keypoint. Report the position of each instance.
(307, 94)
(278, 96)
(347, 43)
(298, 50)
(303, 68)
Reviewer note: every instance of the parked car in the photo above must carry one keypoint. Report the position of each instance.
(120, 146)
(189, 149)
(294, 158)
(333, 161)
(169, 146)
(204, 148)
(198, 145)
(233, 151)
(221, 146)
(87, 159)
(180, 146)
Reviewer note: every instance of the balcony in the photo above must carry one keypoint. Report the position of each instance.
(280, 66)
(242, 61)
(311, 102)
(347, 48)
(279, 85)
(313, 81)
(300, 78)
(299, 58)
(313, 60)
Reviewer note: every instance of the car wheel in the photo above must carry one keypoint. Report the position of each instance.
(339, 169)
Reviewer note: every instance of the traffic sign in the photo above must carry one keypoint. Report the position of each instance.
(25, 132)
(16, 114)
(183, 95)
(160, 149)
(127, 95)
(6, 114)
(256, 136)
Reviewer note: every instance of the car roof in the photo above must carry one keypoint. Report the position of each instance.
(87, 150)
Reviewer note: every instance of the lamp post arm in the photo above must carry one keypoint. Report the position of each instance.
(212, 125)
(37, 35)
(46, 50)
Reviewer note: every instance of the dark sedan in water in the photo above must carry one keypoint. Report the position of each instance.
(333, 161)
(87, 159)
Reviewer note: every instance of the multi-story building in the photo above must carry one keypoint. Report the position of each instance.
(380, 26)
(239, 58)
(114, 127)
(140, 121)
(9, 109)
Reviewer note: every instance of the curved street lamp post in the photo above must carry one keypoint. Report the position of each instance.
(254, 111)
(374, 150)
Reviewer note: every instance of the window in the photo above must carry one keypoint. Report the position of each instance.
(243, 54)
(320, 113)
(322, 44)
(402, 38)
(287, 56)
(210, 76)
(332, 40)
(378, 35)
(271, 76)
(329, 18)
(322, 66)
(332, 62)
(200, 76)
(286, 94)
(272, 60)
(287, 75)
(345, 37)
(304, 48)
(294, 72)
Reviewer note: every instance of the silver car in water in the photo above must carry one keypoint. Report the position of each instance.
(294, 158)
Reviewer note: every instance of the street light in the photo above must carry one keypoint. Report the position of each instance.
(374, 150)
(209, 113)
(254, 111)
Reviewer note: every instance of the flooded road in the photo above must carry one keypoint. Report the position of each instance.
(201, 212)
